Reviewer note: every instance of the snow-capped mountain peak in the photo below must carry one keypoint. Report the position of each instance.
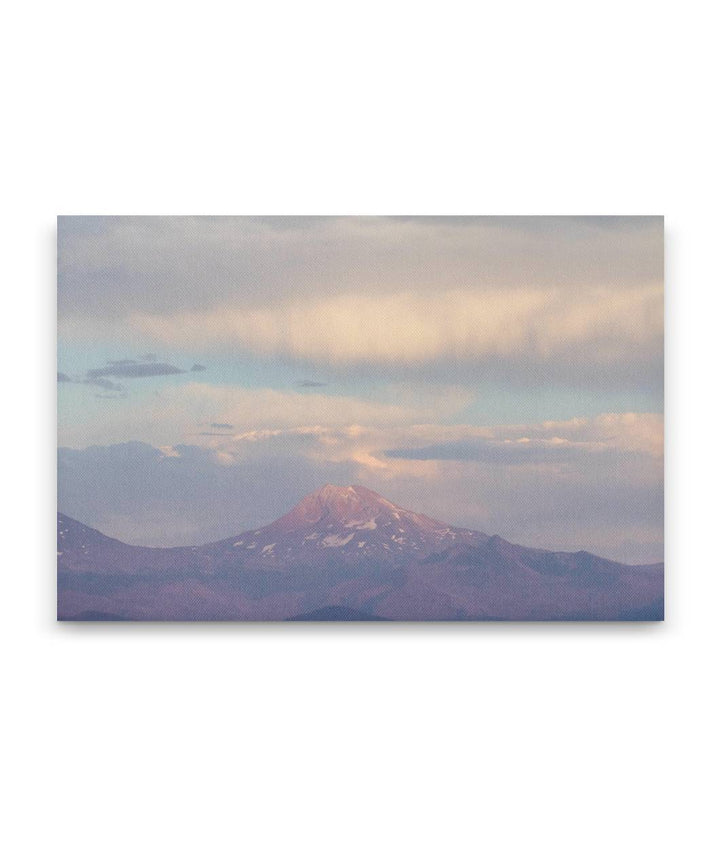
(353, 521)
(338, 504)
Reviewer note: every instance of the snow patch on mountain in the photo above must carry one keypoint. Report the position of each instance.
(336, 540)
(362, 524)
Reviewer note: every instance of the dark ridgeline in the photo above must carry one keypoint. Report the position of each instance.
(346, 554)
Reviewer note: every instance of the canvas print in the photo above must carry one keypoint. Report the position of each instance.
(360, 418)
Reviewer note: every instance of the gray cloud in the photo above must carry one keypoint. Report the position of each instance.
(498, 452)
(101, 382)
(198, 368)
(310, 383)
(226, 425)
(110, 267)
(116, 269)
(98, 381)
(132, 369)
(104, 383)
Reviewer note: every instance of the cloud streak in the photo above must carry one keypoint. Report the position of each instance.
(173, 414)
(607, 326)
(112, 267)
(132, 369)
(532, 301)
(104, 383)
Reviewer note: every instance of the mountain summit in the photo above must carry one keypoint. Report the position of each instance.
(341, 552)
(340, 504)
(334, 503)
(356, 521)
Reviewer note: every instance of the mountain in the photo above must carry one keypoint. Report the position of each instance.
(352, 525)
(346, 553)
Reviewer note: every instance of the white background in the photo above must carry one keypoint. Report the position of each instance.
(359, 739)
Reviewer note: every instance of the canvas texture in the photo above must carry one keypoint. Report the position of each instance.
(360, 418)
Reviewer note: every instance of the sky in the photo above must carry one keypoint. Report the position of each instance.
(500, 373)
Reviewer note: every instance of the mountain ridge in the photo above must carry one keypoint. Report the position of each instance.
(345, 548)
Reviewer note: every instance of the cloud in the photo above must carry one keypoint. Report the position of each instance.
(388, 450)
(101, 382)
(249, 409)
(112, 267)
(509, 452)
(310, 383)
(528, 300)
(124, 368)
(173, 413)
(198, 368)
(603, 325)
(132, 369)
(568, 441)
(605, 494)
(104, 383)
(225, 425)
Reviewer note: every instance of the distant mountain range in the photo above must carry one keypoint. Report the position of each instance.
(346, 554)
